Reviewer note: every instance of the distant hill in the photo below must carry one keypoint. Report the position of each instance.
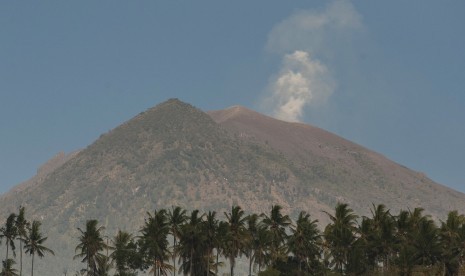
(176, 154)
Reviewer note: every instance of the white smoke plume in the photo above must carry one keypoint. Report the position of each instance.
(315, 31)
(303, 80)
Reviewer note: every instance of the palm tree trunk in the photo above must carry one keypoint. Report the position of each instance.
(208, 265)
(21, 257)
(174, 254)
(217, 258)
(210, 253)
(231, 260)
(250, 264)
(7, 249)
(32, 269)
(191, 262)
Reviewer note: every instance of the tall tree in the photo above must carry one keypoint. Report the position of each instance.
(90, 246)
(154, 242)
(221, 242)
(252, 229)
(452, 242)
(176, 217)
(21, 225)
(34, 243)
(262, 245)
(380, 235)
(8, 269)
(125, 250)
(9, 232)
(305, 241)
(192, 245)
(210, 228)
(277, 224)
(237, 235)
(340, 235)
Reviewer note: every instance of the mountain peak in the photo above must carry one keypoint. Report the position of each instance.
(233, 112)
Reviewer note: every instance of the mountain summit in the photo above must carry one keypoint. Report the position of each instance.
(176, 154)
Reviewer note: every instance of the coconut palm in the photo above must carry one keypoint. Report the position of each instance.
(380, 235)
(340, 235)
(426, 243)
(237, 235)
(252, 229)
(452, 242)
(305, 240)
(277, 223)
(221, 242)
(176, 218)
(192, 243)
(262, 245)
(210, 227)
(9, 233)
(21, 226)
(124, 252)
(8, 269)
(90, 245)
(154, 242)
(34, 243)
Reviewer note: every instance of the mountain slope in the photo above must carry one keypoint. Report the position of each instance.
(175, 154)
(341, 168)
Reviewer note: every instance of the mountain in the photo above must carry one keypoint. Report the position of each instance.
(176, 154)
(341, 170)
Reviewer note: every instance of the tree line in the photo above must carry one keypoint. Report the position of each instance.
(176, 241)
(179, 242)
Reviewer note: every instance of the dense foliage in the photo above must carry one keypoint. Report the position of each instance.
(383, 244)
(181, 242)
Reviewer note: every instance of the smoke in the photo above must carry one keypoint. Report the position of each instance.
(301, 82)
(304, 80)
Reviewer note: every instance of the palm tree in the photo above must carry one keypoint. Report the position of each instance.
(7, 268)
(192, 245)
(221, 242)
(426, 243)
(34, 243)
(176, 218)
(340, 235)
(237, 235)
(277, 224)
(451, 242)
(262, 245)
(21, 225)
(9, 233)
(381, 235)
(154, 242)
(305, 240)
(252, 229)
(210, 228)
(104, 266)
(90, 245)
(124, 251)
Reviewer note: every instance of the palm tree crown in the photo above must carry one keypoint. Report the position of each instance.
(34, 243)
(90, 245)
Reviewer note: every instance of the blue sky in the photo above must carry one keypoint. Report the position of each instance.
(389, 75)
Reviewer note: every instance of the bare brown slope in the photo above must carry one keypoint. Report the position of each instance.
(347, 171)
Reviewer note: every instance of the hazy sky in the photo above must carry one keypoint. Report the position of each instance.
(389, 75)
